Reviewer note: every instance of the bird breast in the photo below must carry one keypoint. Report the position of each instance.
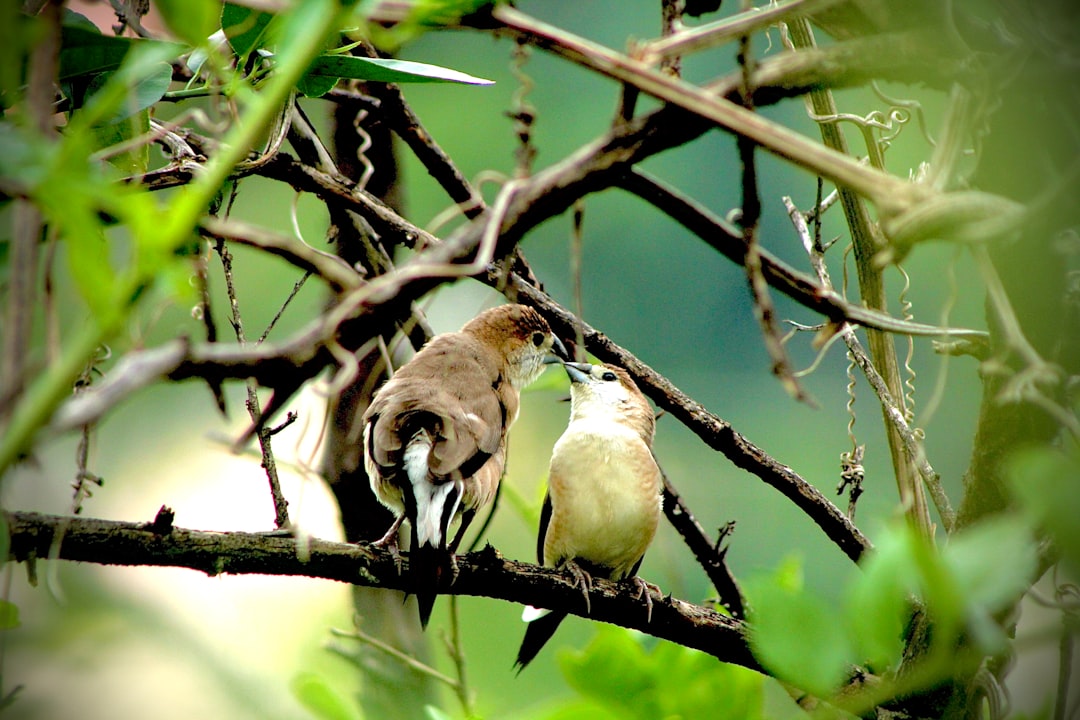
(605, 497)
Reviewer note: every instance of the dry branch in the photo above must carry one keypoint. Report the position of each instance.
(484, 573)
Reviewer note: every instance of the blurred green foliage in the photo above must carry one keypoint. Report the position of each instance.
(651, 286)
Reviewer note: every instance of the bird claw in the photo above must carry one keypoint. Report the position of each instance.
(389, 542)
(646, 590)
(582, 580)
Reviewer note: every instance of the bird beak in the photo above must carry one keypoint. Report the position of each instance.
(558, 353)
(578, 372)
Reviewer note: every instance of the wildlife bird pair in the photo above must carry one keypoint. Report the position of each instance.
(435, 449)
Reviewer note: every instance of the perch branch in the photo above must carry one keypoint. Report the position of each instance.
(484, 573)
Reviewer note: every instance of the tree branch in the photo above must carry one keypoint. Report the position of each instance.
(484, 574)
(798, 286)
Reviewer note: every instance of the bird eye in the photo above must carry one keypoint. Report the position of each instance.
(538, 339)
(608, 376)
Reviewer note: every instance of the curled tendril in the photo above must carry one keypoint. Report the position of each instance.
(911, 107)
(909, 381)
(362, 148)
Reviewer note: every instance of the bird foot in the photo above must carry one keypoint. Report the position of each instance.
(646, 590)
(582, 580)
(389, 541)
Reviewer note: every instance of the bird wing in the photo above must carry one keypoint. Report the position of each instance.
(545, 520)
(453, 394)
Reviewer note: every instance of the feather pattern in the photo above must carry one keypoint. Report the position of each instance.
(435, 434)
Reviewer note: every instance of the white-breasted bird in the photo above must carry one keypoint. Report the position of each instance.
(435, 433)
(604, 492)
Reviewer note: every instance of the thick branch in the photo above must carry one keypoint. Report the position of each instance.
(586, 172)
(484, 573)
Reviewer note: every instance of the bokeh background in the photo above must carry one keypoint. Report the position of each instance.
(103, 642)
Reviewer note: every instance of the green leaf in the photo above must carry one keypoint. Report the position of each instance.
(613, 669)
(618, 677)
(245, 28)
(691, 684)
(444, 12)
(435, 713)
(139, 81)
(321, 700)
(1047, 484)
(797, 635)
(23, 155)
(146, 89)
(135, 160)
(9, 615)
(316, 85)
(190, 20)
(878, 604)
(79, 21)
(388, 70)
(84, 51)
(578, 709)
(993, 564)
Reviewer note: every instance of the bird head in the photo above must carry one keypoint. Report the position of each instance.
(608, 391)
(521, 336)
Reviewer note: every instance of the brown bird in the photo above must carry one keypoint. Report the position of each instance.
(604, 493)
(435, 433)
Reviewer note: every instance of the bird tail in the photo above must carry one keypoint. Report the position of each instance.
(429, 567)
(430, 506)
(537, 633)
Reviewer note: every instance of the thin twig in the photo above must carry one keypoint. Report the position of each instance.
(327, 266)
(709, 555)
(872, 291)
(727, 240)
(405, 659)
(457, 653)
(281, 506)
(895, 415)
(749, 219)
